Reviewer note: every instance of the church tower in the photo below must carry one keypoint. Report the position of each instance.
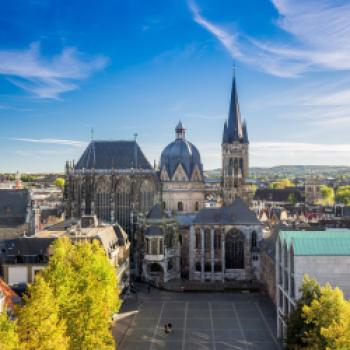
(234, 152)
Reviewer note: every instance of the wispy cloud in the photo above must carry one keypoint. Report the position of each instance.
(318, 38)
(74, 143)
(48, 77)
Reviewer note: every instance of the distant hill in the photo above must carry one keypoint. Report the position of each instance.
(291, 171)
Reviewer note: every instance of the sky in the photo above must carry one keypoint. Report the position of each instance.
(125, 67)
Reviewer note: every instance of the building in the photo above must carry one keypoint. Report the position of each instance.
(234, 152)
(224, 244)
(322, 255)
(15, 211)
(159, 248)
(23, 257)
(181, 175)
(8, 297)
(313, 193)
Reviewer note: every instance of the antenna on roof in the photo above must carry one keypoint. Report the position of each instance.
(92, 134)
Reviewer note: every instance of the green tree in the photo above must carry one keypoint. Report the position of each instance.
(59, 182)
(85, 286)
(39, 325)
(292, 199)
(296, 325)
(8, 333)
(327, 195)
(342, 195)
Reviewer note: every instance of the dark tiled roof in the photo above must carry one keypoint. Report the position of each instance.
(27, 246)
(113, 154)
(156, 212)
(13, 207)
(278, 195)
(238, 213)
(154, 231)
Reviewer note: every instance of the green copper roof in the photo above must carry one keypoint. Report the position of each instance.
(317, 243)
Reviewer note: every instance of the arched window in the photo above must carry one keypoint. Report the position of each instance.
(230, 167)
(198, 239)
(122, 204)
(196, 206)
(234, 250)
(146, 195)
(103, 199)
(217, 239)
(207, 239)
(180, 206)
(253, 243)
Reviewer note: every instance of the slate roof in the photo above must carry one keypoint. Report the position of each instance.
(234, 131)
(154, 231)
(13, 207)
(106, 155)
(28, 246)
(278, 195)
(238, 213)
(156, 212)
(181, 152)
(318, 243)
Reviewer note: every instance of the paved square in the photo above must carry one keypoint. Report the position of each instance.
(200, 321)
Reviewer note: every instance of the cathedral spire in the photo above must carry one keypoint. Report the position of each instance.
(234, 128)
(180, 131)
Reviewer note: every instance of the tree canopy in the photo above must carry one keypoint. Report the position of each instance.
(8, 333)
(342, 195)
(59, 182)
(327, 195)
(320, 320)
(281, 184)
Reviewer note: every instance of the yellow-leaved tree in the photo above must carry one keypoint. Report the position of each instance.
(85, 286)
(8, 333)
(329, 318)
(39, 325)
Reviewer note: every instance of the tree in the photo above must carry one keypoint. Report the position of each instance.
(296, 326)
(320, 320)
(327, 195)
(342, 195)
(59, 182)
(292, 199)
(329, 318)
(8, 333)
(39, 325)
(281, 184)
(85, 286)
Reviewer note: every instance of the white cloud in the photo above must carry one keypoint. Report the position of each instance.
(319, 38)
(74, 143)
(226, 39)
(48, 78)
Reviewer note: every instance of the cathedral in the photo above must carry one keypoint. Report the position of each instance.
(173, 232)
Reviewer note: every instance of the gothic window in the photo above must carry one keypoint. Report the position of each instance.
(147, 195)
(198, 239)
(230, 167)
(122, 205)
(103, 199)
(170, 241)
(180, 206)
(217, 240)
(234, 250)
(254, 246)
(154, 246)
(196, 207)
(207, 240)
(148, 250)
(161, 246)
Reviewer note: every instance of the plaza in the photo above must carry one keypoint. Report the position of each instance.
(202, 321)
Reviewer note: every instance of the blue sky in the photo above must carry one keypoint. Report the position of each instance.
(139, 66)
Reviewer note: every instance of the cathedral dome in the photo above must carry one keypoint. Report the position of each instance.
(181, 152)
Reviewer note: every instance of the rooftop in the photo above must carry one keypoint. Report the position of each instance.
(318, 243)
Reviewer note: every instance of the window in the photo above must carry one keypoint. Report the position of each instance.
(234, 250)
(180, 206)
(217, 240)
(254, 246)
(161, 246)
(196, 207)
(198, 239)
(207, 240)
(163, 205)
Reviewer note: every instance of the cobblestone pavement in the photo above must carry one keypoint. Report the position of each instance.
(201, 321)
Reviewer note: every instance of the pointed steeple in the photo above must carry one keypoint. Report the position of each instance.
(224, 135)
(245, 132)
(234, 128)
(180, 131)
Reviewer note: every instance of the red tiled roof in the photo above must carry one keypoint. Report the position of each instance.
(8, 292)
